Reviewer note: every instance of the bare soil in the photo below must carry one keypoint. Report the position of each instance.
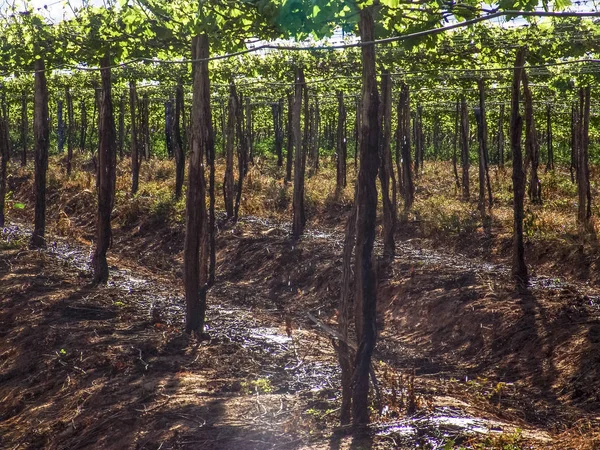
(108, 367)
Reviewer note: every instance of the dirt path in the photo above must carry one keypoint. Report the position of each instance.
(108, 367)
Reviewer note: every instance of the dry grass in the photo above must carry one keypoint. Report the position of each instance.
(438, 208)
(264, 194)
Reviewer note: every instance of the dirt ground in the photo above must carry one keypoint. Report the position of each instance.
(108, 367)
(477, 364)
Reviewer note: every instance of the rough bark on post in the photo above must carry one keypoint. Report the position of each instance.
(41, 143)
(178, 145)
(464, 147)
(531, 145)
(574, 143)
(290, 140)
(4, 113)
(315, 140)
(501, 137)
(584, 210)
(386, 172)
(398, 147)
(212, 245)
(277, 110)
(308, 134)
(242, 153)
(83, 124)
(345, 354)
(358, 126)
(519, 269)
(168, 128)
(135, 158)
(60, 126)
(4, 155)
(121, 141)
(481, 201)
(146, 127)
(484, 175)
(299, 217)
(107, 163)
(228, 182)
(249, 131)
(24, 130)
(436, 137)
(366, 213)
(550, 161)
(455, 147)
(94, 117)
(70, 130)
(341, 145)
(417, 140)
(307, 124)
(420, 150)
(408, 188)
(195, 264)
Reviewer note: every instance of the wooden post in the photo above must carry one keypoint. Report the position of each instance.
(341, 145)
(464, 147)
(24, 130)
(135, 158)
(408, 188)
(550, 162)
(531, 145)
(519, 269)
(195, 256)
(366, 201)
(584, 210)
(41, 144)
(299, 217)
(386, 172)
(228, 182)
(70, 130)
(178, 145)
(107, 162)
(4, 156)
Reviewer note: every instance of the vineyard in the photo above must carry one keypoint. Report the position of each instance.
(300, 224)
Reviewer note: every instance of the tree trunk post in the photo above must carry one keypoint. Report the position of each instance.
(299, 217)
(83, 124)
(341, 145)
(135, 158)
(464, 147)
(228, 182)
(4, 155)
(315, 140)
(107, 163)
(531, 145)
(70, 130)
(366, 213)
(121, 141)
(242, 155)
(276, 109)
(290, 140)
(584, 211)
(519, 269)
(178, 145)
(195, 257)
(501, 137)
(550, 162)
(386, 173)
(407, 177)
(60, 126)
(24, 130)
(41, 144)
